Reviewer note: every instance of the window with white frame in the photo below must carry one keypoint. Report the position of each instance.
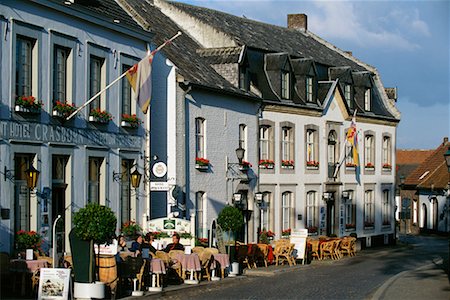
(387, 152)
(332, 147)
(94, 179)
(386, 209)
(287, 146)
(285, 84)
(126, 93)
(348, 94)
(312, 212)
(96, 80)
(311, 149)
(369, 151)
(309, 89)
(367, 100)
(243, 138)
(200, 138)
(265, 212)
(369, 209)
(22, 203)
(200, 230)
(349, 162)
(60, 73)
(265, 142)
(350, 212)
(24, 66)
(414, 204)
(286, 199)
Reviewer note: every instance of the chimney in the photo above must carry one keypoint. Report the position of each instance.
(445, 140)
(297, 21)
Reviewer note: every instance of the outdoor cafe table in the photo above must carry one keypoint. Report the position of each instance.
(23, 267)
(157, 267)
(223, 260)
(190, 263)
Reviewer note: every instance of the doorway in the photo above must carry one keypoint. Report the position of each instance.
(330, 216)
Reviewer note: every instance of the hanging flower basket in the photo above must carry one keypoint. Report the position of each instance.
(266, 164)
(63, 109)
(130, 121)
(100, 116)
(28, 104)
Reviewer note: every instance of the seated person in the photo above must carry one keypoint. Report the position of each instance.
(136, 246)
(148, 242)
(175, 245)
(122, 243)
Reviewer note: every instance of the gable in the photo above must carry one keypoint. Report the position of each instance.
(335, 107)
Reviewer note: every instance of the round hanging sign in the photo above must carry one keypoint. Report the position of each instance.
(159, 169)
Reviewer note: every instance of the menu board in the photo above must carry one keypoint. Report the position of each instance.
(54, 284)
(298, 238)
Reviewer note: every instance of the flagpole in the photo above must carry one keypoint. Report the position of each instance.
(120, 77)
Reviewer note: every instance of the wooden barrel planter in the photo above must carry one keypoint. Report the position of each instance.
(107, 271)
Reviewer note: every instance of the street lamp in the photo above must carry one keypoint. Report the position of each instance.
(32, 177)
(259, 198)
(136, 179)
(240, 154)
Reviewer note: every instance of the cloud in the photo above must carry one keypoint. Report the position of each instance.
(357, 23)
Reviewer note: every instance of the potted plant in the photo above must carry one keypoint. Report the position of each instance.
(130, 121)
(63, 109)
(265, 236)
(266, 164)
(28, 240)
(130, 229)
(231, 220)
(28, 104)
(99, 116)
(201, 164)
(93, 224)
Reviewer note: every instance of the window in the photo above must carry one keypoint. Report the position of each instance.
(60, 57)
(200, 214)
(285, 84)
(349, 162)
(96, 64)
(369, 210)
(24, 66)
(244, 78)
(309, 89)
(332, 153)
(312, 160)
(22, 214)
(265, 142)
(348, 94)
(265, 212)
(287, 210)
(243, 138)
(200, 138)
(415, 211)
(386, 216)
(126, 92)
(387, 153)
(287, 146)
(350, 212)
(125, 191)
(367, 100)
(312, 212)
(94, 179)
(369, 152)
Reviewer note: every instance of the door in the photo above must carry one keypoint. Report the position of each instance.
(58, 209)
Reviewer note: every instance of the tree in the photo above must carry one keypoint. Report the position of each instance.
(230, 219)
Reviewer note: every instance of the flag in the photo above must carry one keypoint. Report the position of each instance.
(140, 78)
(352, 139)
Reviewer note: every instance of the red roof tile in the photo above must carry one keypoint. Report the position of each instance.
(407, 157)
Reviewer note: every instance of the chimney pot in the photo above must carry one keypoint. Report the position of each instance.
(298, 21)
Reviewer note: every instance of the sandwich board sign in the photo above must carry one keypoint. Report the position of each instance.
(298, 238)
(54, 284)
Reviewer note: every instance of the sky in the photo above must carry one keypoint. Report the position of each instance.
(406, 41)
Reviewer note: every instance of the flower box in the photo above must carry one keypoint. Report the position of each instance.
(266, 164)
(202, 167)
(128, 124)
(100, 116)
(287, 167)
(312, 167)
(201, 164)
(287, 164)
(312, 164)
(387, 167)
(130, 121)
(27, 110)
(63, 109)
(245, 166)
(98, 120)
(369, 166)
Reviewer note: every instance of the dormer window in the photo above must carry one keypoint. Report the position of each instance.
(244, 78)
(367, 100)
(309, 89)
(285, 84)
(348, 94)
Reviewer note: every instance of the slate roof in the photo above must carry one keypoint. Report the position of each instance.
(107, 10)
(433, 170)
(184, 52)
(268, 37)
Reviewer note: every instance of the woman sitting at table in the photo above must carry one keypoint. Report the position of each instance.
(121, 243)
(175, 245)
(149, 239)
(136, 246)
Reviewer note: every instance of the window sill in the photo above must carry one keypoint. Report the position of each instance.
(369, 168)
(266, 166)
(369, 227)
(287, 167)
(202, 168)
(129, 124)
(350, 229)
(312, 167)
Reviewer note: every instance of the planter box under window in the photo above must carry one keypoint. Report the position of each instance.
(269, 166)
(129, 124)
(369, 168)
(287, 167)
(202, 168)
(27, 110)
(312, 167)
(98, 120)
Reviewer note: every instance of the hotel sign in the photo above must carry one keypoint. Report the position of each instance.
(47, 133)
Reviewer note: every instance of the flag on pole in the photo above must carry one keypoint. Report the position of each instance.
(140, 78)
(352, 139)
